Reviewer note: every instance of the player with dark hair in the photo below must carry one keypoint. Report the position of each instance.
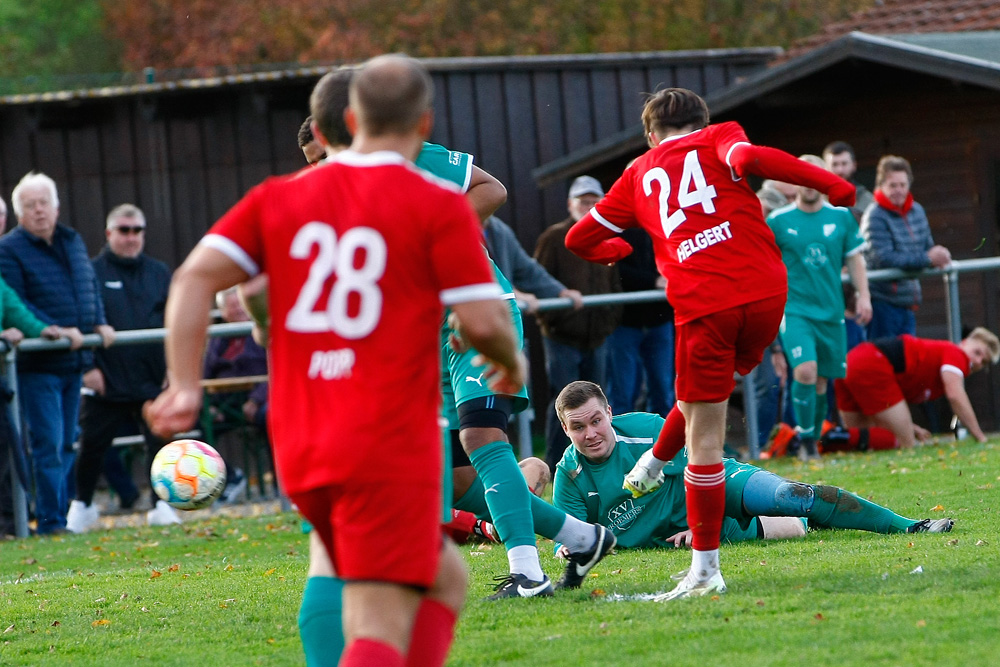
(758, 503)
(724, 277)
(346, 279)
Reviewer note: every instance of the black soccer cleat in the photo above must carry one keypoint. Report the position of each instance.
(932, 526)
(581, 563)
(519, 586)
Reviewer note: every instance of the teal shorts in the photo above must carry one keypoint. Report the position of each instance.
(825, 343)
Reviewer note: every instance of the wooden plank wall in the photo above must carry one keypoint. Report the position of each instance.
(185, 156)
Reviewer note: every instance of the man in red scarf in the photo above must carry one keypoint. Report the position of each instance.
(898, 236)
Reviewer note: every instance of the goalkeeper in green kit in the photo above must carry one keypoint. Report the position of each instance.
(759, 504)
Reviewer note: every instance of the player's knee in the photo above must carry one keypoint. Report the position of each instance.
(782, 527)
(453, 579)
(320, 564)
(536, 474)
(794, 498)
(805, 373)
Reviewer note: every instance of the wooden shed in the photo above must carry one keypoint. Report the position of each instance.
(933, 98)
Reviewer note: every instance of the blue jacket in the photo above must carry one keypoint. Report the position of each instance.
(58, 285)
(898, 242)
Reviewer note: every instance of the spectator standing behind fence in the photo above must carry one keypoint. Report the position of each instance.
(133, 288)
(16, 323)
(47, 265)
(574, 341)
(643, 345)
(839, 158)
(530, 279)
(898, 236)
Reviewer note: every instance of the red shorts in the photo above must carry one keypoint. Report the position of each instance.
(870, 384)
(392, 536)
(712, 348)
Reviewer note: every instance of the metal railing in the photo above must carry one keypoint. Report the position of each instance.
(950, 276)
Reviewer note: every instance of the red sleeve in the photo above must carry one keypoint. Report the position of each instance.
(953, 355)
(595, 242)
(776, 164)
(237, 233)
(456, 250)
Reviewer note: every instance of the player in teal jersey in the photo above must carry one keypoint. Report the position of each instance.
(759, 504)
(816, 240)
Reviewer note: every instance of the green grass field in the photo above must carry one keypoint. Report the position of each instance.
(225, 591)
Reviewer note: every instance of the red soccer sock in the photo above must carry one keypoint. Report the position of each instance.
(433, 632)
(461, 526)
(706, 504)
(671, 438)
(367, 652)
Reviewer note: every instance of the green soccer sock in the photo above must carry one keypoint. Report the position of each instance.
(820, 417)
(804, 408)
(834, 507)
(320, 623)
(547, 519)
(506, 493)
(474, 500)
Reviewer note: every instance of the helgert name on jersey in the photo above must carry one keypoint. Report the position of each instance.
(702, 240)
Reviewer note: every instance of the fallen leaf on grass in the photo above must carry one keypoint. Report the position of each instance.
(952, 543)
(174, 567)
(100, 622)
(937, 508)
(156, 573)
(818, 617)
(917, 570)
(921, 623)
(56, 624)
(715, 598)
(270, 640)
(760, 603)
(10, 628)
(270, 572)
(597, 593)
(981, 543)
(228, 568)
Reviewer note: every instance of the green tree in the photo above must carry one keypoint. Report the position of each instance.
(41, 38)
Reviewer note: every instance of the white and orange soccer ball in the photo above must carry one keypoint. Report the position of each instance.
(188, 474)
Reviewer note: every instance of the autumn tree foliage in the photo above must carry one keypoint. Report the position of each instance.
(206, 33)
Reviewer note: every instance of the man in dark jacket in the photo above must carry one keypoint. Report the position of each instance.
(574, 340)
(47, 265)
(134, 293)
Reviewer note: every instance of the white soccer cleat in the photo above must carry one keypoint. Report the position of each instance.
(924, 526)
(641, 481)
(689, 587)
(162, 515)
(82, 517)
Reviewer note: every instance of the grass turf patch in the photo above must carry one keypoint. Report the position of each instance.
(226, 591)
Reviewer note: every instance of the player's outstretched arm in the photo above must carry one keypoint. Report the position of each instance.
(776, 164)
(596, 243)
(486, 194)
(192, 293)
(954, 389)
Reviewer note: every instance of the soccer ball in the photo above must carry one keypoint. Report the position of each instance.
(188, 474)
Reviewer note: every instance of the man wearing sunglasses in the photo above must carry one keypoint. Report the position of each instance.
(133, 288)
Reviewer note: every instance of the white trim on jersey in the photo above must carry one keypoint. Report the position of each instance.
(478, 292)
(851, 253)
(234, 252)
(604, 221)
(674, 137)
(376, 159)
(641, 441)
(468, 173)
(729, 155)
(948, 368)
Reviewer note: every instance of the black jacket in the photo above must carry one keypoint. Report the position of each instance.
(134, 292)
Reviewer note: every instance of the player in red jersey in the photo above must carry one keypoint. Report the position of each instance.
(362, 254)
(886, 374)
(725, 280)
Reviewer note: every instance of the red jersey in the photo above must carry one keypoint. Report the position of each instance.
(709, 235)
(363, 253)
(926, 359)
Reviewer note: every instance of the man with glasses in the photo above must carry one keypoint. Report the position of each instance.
(133, 288)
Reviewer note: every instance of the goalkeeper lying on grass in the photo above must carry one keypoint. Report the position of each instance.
(759, 504)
